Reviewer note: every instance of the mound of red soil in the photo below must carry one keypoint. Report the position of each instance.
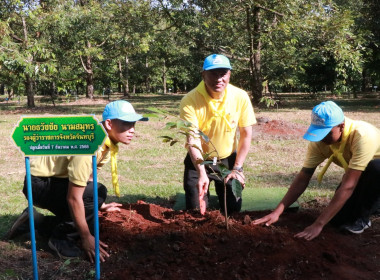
(151, 242)
(277, 128)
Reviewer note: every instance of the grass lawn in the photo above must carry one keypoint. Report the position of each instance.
(151, 170)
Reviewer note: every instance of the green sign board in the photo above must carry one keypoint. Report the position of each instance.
(59, 135)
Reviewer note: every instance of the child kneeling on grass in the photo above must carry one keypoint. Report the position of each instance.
(63, 185)
(353, 145)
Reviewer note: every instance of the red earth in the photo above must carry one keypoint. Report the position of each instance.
(280, 129)
(152, 242)
(149, 241)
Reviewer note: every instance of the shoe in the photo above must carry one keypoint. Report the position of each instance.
(377, 212)
(65, 249)
(21, 225)
(357, 227)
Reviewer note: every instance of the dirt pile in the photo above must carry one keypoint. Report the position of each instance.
(280, 129)
(151, 242)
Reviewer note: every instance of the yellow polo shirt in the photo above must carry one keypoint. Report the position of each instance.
(77, 168)
(238, 110)
(363, 145)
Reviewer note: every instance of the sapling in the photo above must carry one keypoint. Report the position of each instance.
(185, 128)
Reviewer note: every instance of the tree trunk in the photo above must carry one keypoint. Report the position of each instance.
(29, 91)
(126, 78)
(121, 88)
(89, 85)
(123, 80)
(28, 80)
(77, 88)
(10, 93)
(164, 78)
(53, 92)
(2, 89)
(89, 76)
(255, 53)
(175, 85)
(147, 82)
(365, 80)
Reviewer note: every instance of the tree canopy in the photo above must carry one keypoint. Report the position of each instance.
(93, 46)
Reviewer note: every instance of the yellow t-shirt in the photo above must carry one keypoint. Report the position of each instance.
(77, 168)
(238, 111)
(363, 145)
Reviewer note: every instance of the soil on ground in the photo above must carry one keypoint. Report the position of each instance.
(280, 129)
(149, 241)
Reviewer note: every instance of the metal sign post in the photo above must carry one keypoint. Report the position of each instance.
(60, 136)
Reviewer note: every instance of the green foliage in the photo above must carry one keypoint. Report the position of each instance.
(236, 188)
(268, 101)
(159, 46)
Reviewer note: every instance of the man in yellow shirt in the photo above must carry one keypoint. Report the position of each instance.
(63, 185)
(353, 145)
(218, 109)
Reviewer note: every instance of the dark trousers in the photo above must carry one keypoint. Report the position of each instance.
(51, 193)
(365, 200)
(191, 179)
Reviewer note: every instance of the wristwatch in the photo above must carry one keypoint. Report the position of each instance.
(238, 168)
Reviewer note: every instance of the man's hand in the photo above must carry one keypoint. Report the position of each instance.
(110, 207)
(310, 232)
(236, 175)
(267, 220)
(202, 202)
(88, 245)
(202, 185)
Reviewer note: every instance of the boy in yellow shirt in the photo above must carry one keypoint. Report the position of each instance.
(353, 145)
(63, 185)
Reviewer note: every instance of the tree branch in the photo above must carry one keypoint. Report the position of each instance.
(269, 10)
(84, 66)
(25, 31)
(14, 36)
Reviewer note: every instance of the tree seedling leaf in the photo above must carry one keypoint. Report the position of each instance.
(206, 162)
(173, 142)
(204, 137)
(171, 125)
(224, 171)
(196, 147)
(166, 139)
(206, 155)
(152, 115)
(158, 111)
(236, 188)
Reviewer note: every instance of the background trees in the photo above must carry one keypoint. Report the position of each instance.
(98, 46)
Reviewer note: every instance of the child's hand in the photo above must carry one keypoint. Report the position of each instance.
(110, 207)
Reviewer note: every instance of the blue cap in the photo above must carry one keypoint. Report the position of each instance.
(323, 118)
(121, 110)
(215, 61)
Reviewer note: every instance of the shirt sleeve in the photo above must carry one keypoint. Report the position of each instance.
(314, 156)
(187, 111)
(363, 148)
(247, 117)
(79, 170)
